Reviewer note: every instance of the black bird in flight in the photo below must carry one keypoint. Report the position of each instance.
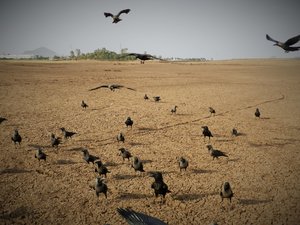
(286, 45)
(142, 57)
(116, 18)
(136, 218)
(112, 87)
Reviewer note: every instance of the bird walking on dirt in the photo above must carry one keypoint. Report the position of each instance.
(40, 155)
(16, 138)
(156, 98)
(88, 157)
(183, 163)
(101, 169)
(125, 154)
(215, 153)
(137, 164)
(100, 187)
(174, 109)
(120, 137)
(257, 113)
(212, 111)
(129, 122)
(286, 45)
(2, 119)
(206, 132)
(146, 97)
(234, 132)
(136, 218)
(116, 18)
(159, 186)
(112, 87)
(226, 191)
(55, 141)
(67, 134)
(84, 105)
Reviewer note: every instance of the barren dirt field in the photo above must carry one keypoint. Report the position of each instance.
(263, 164)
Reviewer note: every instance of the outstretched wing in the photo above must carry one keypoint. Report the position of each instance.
(292, 40)
(132, 89)
(102, 86)
(108, 14)
(123, 11)
(135, 218)
(271, 39)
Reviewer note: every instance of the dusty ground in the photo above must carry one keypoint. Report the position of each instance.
(263, 167)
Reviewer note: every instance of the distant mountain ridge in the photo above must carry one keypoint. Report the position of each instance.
(42, 51)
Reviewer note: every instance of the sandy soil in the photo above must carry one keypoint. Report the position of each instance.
(263, 166)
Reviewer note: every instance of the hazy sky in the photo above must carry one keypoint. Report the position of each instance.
(219, 29)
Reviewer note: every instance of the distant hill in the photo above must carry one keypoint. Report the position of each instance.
(42, 51)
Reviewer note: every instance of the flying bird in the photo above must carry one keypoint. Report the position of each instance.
(206, 132)
(112, 87)
(257, 113)
(40, 155)
(116, 18)
(84, 105)
(88, 157)
(16, 138)
(2, 119)
(129, 122)
(136, 218)
(125, 154)
(226, 191)
(183, 163)
(142, 57)
(67, 134)
(286, 45)
(215, 153)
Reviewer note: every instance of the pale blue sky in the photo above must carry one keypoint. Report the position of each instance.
(219, 29)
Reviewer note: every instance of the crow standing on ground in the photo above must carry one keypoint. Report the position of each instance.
(212, 111)
(2, 119)
(100, 187)
(215, 153)
(16, 138)
(67, 134)
(40, 155)
(156, 98)
(55, 141)
(101, 169)
(257, 113)
(159, 186)
(206, 132)
(136, 218)
(286, 45)
(174, 109)
(234, 132)
(146, 97)
(84, 105)
(226, 191)
(125, 154)
(129, 122)
(120, 137)
(88, 157)
(183, 163)
(116, 18)
(137, 164)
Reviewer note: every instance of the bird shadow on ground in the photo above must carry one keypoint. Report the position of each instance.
(199, 171)
(65, 162)
(135, 143)
(18, 212)
(241, 134)
(124, 176)
(224, 140)
(110, 163)
(253, 201)
(147, 161)
(265, 118)
(76, 149)
(192, 196)
(14, 171)
(233, 160)
(125, 196)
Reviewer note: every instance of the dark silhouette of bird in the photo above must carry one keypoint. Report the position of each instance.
(40, 155)
(212, 111)
(159, 186)
(286, 45)
(100, 187)
(234, 132)
(2, 119)
(174, 109)
(146, 97)
(226, 191)
(137, 164)
(215, 153)
(16, 138)
(206, 132)
(183, 163)
(125, 154)
(101, 168)
(120, 137)
(88, 157)
(67, 134)
(55, 141)
(136, 218)
(116, 18)
(84, 105)
(156, 98)
(257, 113)
(112, 87)
(129, 122)
(142, 57)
